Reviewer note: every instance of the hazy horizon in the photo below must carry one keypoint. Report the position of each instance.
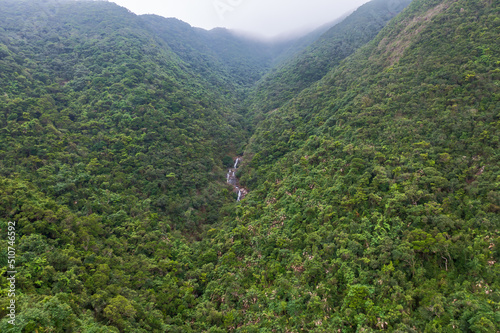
(253, 17)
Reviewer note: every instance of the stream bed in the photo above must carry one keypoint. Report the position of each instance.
(234, 181)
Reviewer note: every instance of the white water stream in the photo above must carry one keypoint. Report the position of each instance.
(231, 179)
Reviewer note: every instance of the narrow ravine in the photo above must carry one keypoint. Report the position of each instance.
(234, 181)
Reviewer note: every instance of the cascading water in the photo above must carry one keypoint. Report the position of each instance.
(232, 180)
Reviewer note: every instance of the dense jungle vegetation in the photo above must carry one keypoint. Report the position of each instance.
(293, 75)
(371, 156)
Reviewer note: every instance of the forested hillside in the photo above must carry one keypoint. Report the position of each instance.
(91, 97)
(374, 181)
(109, 139)
(311, 64)
(375, 198)
(219, 55)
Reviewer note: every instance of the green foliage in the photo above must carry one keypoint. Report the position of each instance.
(313, 63)
(374, 188)
(374, 191)
(114, 124)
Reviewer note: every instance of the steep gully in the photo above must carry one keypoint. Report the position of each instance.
(232, 180)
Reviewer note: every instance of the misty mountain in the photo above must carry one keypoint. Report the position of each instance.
(310, 65)
(217, 54)
(228, 58)
(367, 152)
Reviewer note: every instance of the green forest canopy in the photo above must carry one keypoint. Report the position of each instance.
(374, 185)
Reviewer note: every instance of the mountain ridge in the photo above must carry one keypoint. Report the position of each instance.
(310, 65)
(373, 201)
(371, 171)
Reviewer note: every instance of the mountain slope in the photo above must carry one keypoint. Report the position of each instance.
(311, 64)
(229, 60)
(108, 141)
(374, 188)
(374, 193)
(100, 101)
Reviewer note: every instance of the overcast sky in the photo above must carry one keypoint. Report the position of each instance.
(264, 17)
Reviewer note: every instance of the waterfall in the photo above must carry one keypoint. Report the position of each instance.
(234, 182)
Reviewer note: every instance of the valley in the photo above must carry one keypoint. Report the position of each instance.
(165, 178)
